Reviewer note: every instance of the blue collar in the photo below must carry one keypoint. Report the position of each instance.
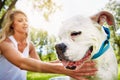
(105, 45)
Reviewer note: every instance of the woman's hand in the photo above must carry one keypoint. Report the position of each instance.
(88, 69)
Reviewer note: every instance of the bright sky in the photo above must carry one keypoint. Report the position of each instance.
(69, 8)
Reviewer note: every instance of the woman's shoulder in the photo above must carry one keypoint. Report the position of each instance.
(6, 42)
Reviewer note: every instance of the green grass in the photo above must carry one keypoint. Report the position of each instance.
(47, 76)
(40, 76)
(119, 72)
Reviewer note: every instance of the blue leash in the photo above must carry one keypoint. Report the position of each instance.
(105, 45)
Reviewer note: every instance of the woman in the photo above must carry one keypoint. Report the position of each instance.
(17, 53)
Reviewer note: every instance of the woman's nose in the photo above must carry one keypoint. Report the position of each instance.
(26, 23)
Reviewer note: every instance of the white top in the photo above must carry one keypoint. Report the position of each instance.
(8, 71)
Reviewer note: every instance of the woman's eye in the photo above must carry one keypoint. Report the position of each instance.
(20, 20)
(76, 33)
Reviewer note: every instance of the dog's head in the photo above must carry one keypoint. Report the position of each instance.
(81, 37)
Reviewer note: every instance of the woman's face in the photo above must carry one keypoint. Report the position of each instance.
(20, 23)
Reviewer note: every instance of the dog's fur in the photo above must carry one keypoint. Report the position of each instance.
(77, 35)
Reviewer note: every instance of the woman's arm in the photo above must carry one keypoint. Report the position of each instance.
(32, 52)
(30, 64)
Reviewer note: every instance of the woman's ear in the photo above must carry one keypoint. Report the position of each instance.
(102, 17)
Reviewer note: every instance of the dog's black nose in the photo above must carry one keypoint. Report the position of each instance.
(61, 47)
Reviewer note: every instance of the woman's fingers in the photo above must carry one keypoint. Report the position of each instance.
(89, 64)
(87, 69)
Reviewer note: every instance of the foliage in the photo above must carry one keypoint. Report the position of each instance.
(44, 44)
(46, 7)
(49, 57)
(114, 8)
(6, 5)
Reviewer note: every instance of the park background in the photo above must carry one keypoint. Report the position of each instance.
(46, 16)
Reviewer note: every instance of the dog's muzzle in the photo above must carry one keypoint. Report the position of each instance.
(61, 49)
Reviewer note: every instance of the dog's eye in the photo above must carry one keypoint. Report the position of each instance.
(76, 33)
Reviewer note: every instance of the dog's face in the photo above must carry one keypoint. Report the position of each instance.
(80, 39)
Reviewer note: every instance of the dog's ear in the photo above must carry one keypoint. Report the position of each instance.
(104, 16)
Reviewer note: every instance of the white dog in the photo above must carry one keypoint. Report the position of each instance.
(85, 36)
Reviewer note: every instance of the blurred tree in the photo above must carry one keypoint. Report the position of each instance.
(39, 38)
(44, 44)
(51, 48)
(47, 7)
(5, 5)
(114, 7)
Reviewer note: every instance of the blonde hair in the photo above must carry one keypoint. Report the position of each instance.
(7, 28)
